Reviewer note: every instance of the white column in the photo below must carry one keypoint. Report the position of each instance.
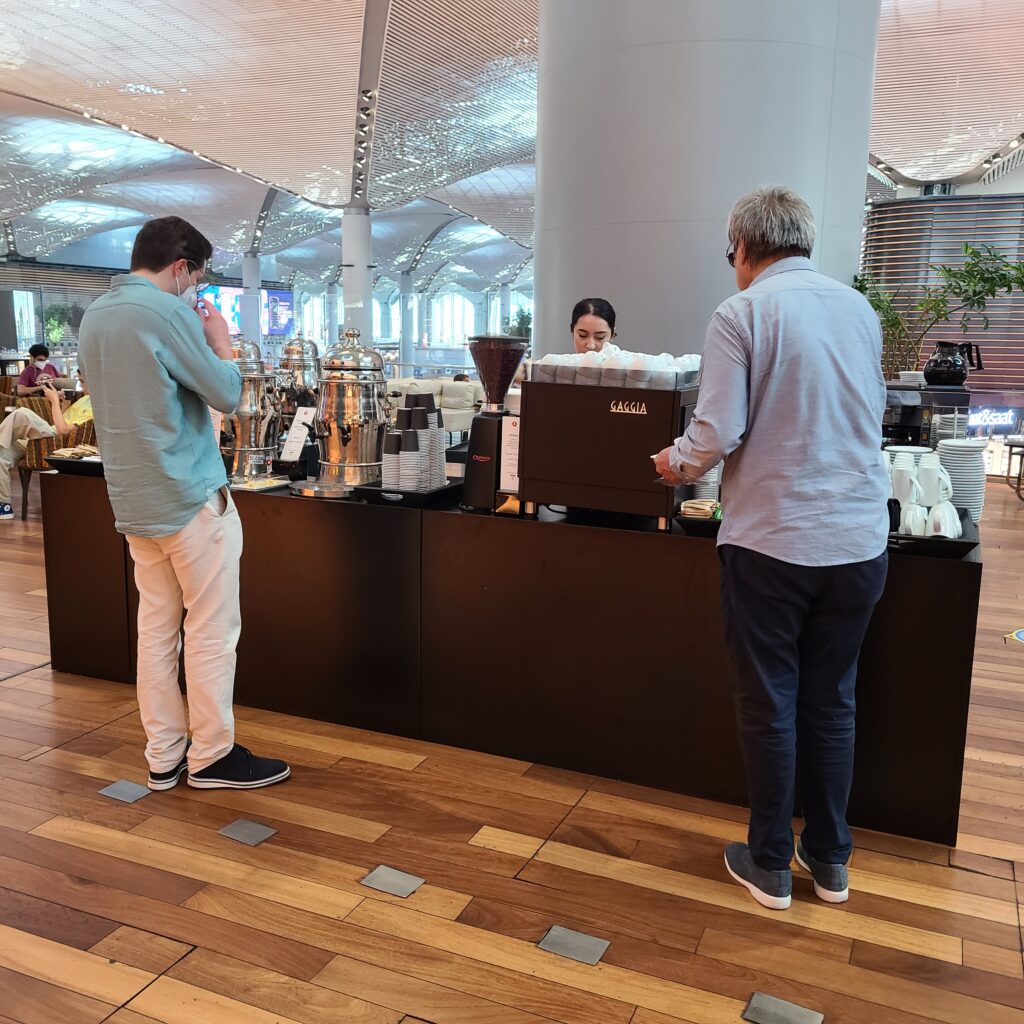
(407, 305)
(250, 307)
(505, 307)
(699, 102)
(356, 279)
(479, 314)
(332, 312)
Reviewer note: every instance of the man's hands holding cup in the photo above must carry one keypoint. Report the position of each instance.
(215, 328)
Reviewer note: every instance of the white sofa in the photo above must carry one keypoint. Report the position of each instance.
(458, 400)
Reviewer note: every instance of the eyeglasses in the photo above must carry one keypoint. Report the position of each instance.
(730, 255)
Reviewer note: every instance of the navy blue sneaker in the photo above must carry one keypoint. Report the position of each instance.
(169, 779)
(240, 769)
(6, 512)
(772, 889)
(831, 881)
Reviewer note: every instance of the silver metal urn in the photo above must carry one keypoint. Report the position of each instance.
(251, 432)
(300, 372)
(351, 419)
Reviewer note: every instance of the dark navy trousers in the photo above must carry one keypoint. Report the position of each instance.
(794, 634)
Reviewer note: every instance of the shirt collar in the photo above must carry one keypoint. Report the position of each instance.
(783, 266)
(120, 279)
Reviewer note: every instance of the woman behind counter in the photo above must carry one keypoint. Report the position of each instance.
(593, 324)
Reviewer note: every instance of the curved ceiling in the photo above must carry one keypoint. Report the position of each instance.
(266, 86)
(949, 85)
(271, 92)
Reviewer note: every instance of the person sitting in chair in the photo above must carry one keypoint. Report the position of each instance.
(23, 425)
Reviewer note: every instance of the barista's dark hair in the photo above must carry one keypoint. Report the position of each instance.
(593, 307)
(39, 350)
(163, 241)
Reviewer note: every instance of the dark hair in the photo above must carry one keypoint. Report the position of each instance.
(39, 350)
(163, 241)
(461, 376)
(593, 307)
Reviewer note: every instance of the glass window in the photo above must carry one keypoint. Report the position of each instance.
(451, 320)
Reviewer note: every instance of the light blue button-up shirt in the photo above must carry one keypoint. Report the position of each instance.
(792, 397)
(153, 378)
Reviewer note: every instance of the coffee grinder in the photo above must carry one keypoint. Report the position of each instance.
(497, 358)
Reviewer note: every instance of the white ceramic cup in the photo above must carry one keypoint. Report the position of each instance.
(943, 521)
(905, 488)
(913, 520)
(936, 486)
(903, 460)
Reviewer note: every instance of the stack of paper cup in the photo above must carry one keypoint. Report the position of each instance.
(425, 442)
(411, 462)
(708, 485)
(442, 469)
(390, 469)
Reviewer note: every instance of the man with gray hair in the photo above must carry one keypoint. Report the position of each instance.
(792, 397)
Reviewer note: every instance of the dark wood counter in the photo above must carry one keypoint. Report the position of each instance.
(585, 647)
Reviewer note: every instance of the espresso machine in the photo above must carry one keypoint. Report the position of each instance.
(250, 434)
(497, 357)
(351, 420)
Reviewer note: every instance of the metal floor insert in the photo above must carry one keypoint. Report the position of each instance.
(252, 833)
(125, 791)
(394, 883)
(765, 1009)
(586, 949)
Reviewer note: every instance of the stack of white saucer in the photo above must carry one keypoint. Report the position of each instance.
(964, 460)
(912, 378)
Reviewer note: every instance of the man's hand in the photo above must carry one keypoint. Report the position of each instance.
(215, 328)
(664, 469)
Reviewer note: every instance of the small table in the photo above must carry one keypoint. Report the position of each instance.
(1015, 447)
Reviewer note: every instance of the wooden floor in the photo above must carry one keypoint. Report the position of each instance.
(134, 914)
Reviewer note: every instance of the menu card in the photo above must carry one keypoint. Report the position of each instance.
(509, 483)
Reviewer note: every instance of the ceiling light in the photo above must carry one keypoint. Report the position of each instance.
(125, 128)
(158, 139)
(997, 158)
(1014, 143)
(367, 94)
(365, 111)
(882, 167)
(986, 163)
(195, 152)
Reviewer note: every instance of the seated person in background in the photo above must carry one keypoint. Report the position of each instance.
(461, 376)
(23, 425)
(37, 373)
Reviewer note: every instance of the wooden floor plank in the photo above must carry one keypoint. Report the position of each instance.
(174, 1002)
(611, 982)
(30, 1001)
(808, 915)
(276, 993)
(74, 969)
(141, 949)
(441, 968)
(52, 921)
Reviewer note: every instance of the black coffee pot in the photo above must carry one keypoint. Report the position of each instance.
(949, 363)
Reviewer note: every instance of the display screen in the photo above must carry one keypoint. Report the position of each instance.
(276, 312)
(228, 302)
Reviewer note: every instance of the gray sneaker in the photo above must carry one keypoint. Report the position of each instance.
(772, 889)
(831, 881)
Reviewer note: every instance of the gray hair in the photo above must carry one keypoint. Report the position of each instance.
(772, 222)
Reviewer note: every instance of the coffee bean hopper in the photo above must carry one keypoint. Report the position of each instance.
(497, 357)
(351, 420)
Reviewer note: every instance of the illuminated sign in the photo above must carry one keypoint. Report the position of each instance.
(992, 418)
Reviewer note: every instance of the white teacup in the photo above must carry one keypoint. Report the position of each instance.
(936, 486)
(913, 520)
(905, 488)
(943, 521)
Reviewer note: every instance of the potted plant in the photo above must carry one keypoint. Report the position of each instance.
(963, 290)
(521, 326)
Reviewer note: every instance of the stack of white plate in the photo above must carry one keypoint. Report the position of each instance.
(913, 449)
(915, 378)
(964, 460)
(707, 486)
(948, 425)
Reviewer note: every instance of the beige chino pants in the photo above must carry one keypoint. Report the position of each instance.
(194, 570)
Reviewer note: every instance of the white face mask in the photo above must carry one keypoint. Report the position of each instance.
(190, 296)
(41, 363)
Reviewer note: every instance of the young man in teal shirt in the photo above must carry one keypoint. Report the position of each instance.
(157, 361)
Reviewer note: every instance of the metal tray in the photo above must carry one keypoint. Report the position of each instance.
(441, 497)
(75, 467)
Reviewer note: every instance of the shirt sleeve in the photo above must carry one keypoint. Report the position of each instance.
(26, 378)
(720, 419)
(191, 362)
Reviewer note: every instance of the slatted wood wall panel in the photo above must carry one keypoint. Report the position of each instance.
(905, 238)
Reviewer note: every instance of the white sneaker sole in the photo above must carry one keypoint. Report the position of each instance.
(231, 784)
(770, 902)
(823, 894)
(162, 784)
